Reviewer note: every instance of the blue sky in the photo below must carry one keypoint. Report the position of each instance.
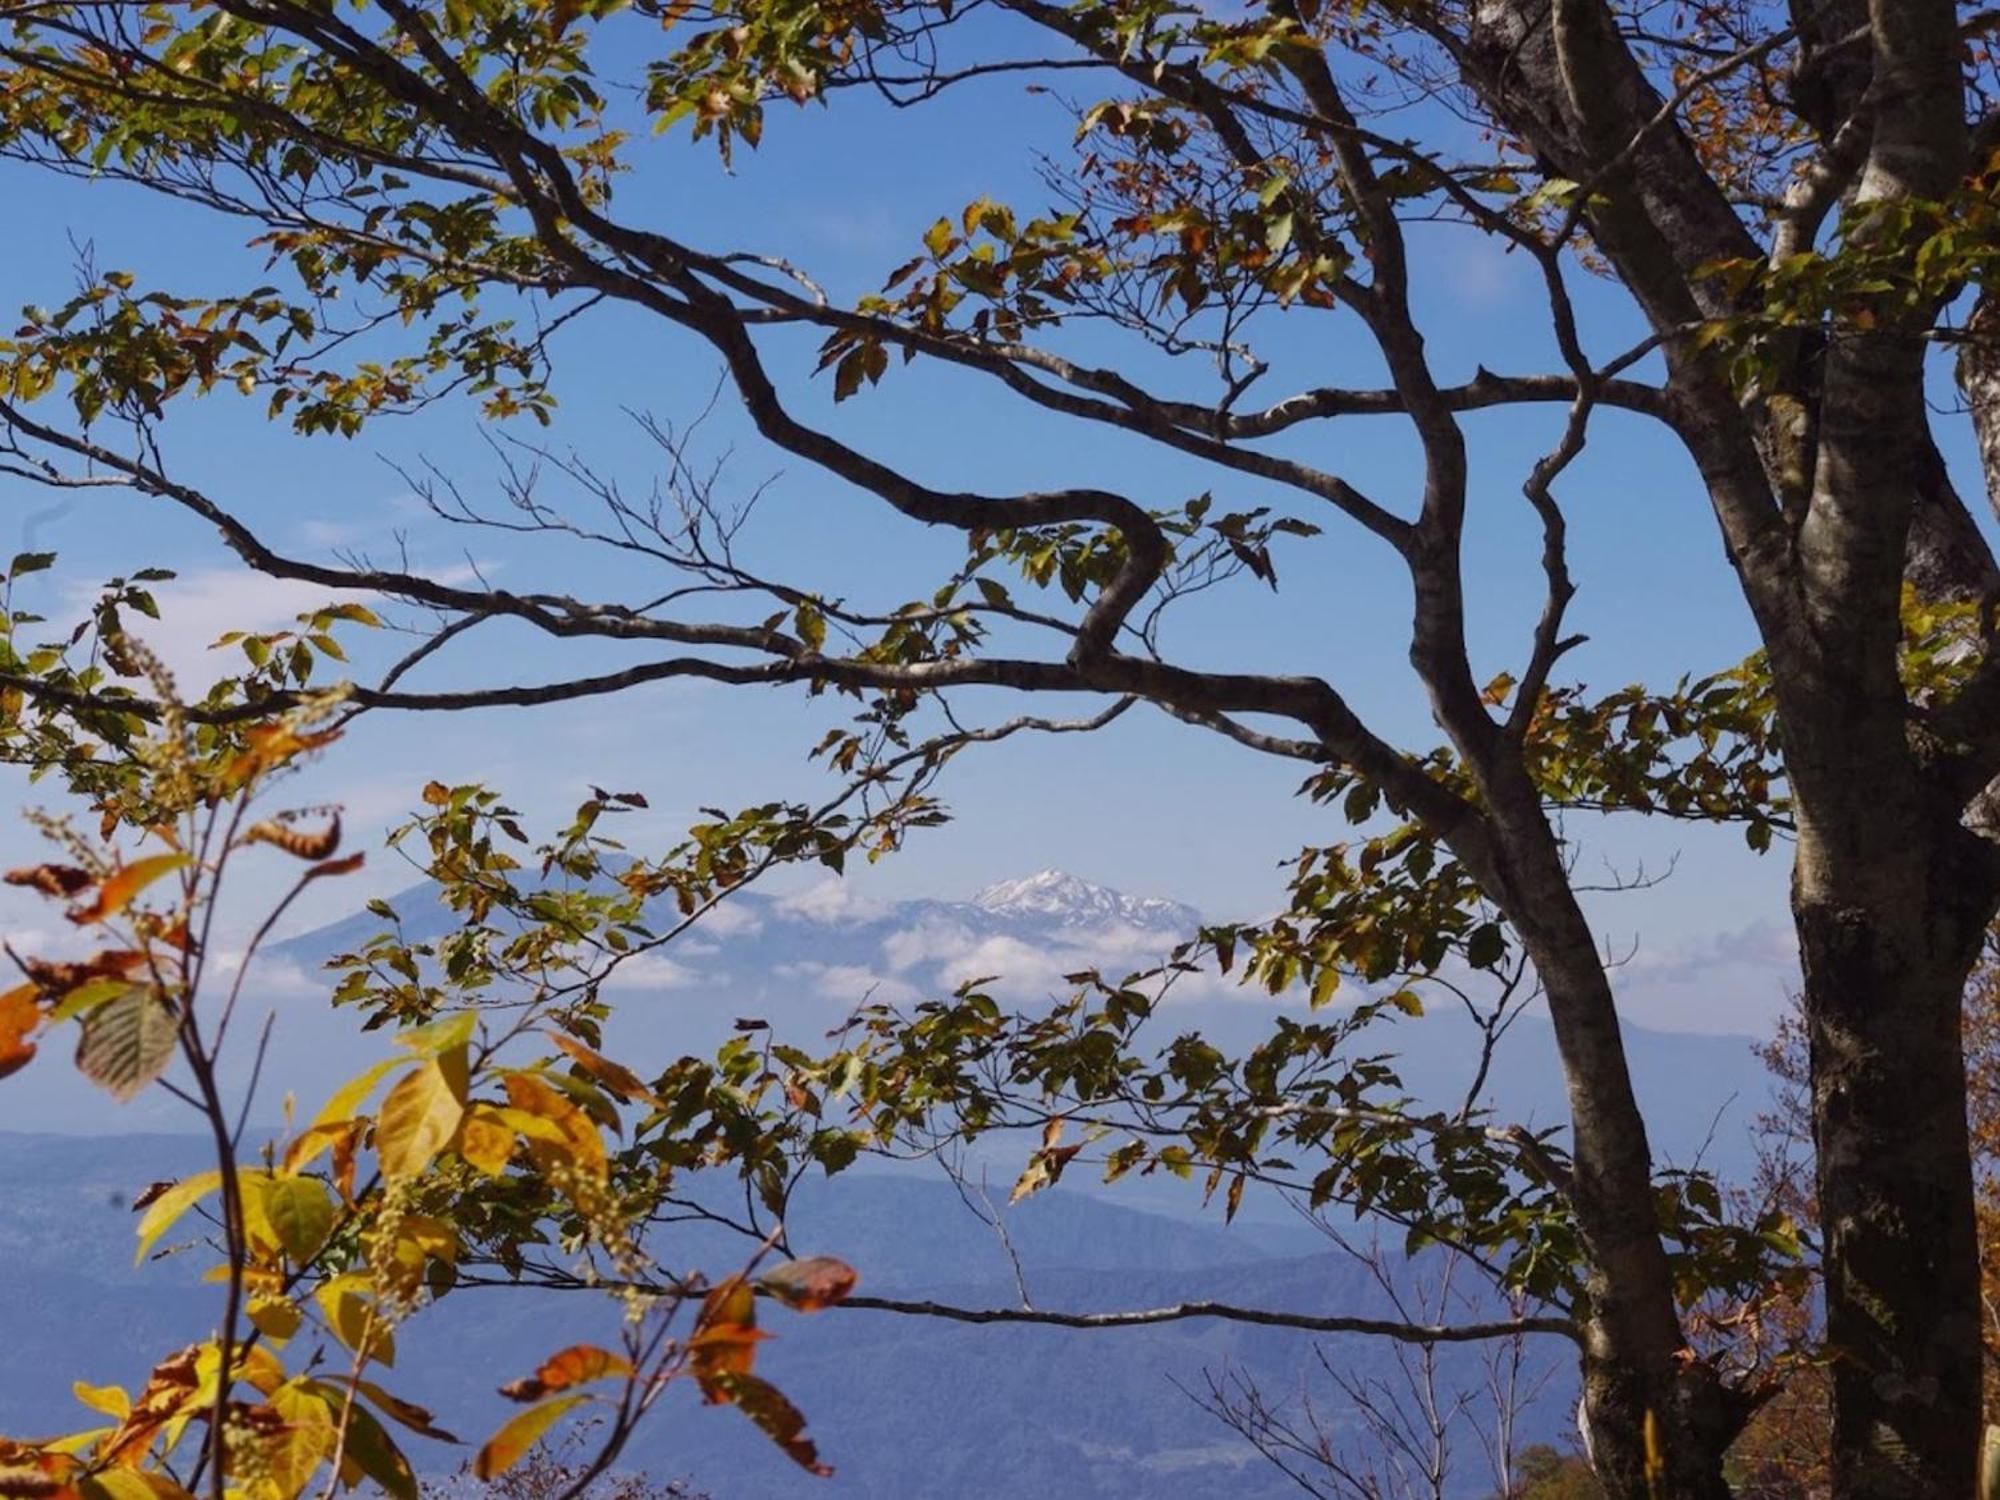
(1150, 806)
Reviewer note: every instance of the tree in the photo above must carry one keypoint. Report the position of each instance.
(1549, 1475)
(1792, 199)
(1406, 1429)
(1785, 1451)
(333, 1238)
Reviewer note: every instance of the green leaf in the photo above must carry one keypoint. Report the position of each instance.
(301, 1215)
(375, 1453)
(128, 1042)
(88, 997)
(1486, 946)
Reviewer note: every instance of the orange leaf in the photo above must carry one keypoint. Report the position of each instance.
(577, 1365)
(616, 1077)
(582, 1148)
(269, 745)
(19, 1017)
(725, 1338)
(118, 890)
(812, 1283)
(504, 1449)
(720, 1352)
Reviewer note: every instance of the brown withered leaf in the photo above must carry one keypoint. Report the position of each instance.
(57, 979)
(314, 843)
(61, 881)
(153, 1192)
(171, 1387)
(782, 1422)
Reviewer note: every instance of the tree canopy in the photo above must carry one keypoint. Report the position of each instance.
(1793, 206)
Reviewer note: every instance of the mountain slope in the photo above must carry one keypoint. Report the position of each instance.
(901, 1406)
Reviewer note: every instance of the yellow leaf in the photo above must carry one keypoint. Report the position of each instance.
(581, 1145)
(418, 1117)
(109, 1399)
(277, 1318)
(77, 1442)
(348, 1305)
(170, 1205)
(350, 1095)
(486, 1140)
(439, 1037)
(131, 1484)
(504, 1449)
(301, 1215)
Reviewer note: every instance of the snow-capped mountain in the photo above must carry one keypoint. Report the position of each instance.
(804, 960)
(1054, 895)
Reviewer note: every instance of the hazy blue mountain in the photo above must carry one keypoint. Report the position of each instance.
(1029, 1412)
(803, 961)
(902, 1406)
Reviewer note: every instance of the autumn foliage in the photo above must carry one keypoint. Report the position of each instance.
(331, 1239)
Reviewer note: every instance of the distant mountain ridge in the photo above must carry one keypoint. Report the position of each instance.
(901, 1406)
(1035, 1412)
(1054, 895)
(804, 959)
(1032, 906)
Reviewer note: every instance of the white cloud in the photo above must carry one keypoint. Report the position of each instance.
(318, 532)
(1731, 981)
(851, 984)
(1024, 968)
(651, 972)
(926, 942)
(202, 604)
(730, 919)
(831, 903)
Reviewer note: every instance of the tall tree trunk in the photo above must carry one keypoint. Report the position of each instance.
(1890, 892)
(1889, 922)
(1658, 1424)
